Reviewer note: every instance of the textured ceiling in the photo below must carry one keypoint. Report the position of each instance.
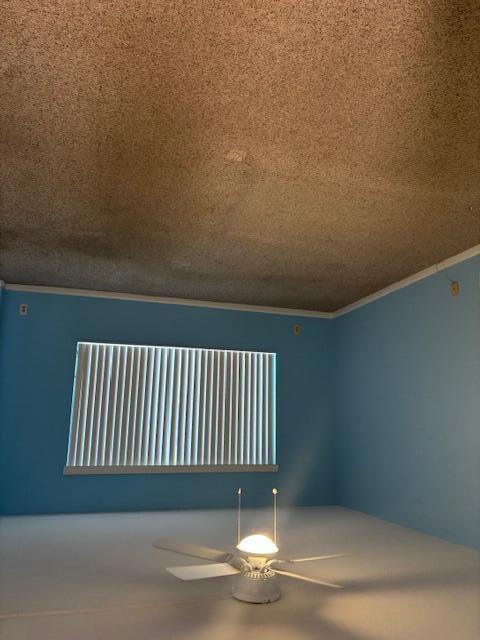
(285, 153)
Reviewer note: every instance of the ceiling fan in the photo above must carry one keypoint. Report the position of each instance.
(256, 566)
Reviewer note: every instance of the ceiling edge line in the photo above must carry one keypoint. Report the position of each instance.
(187, 302)
(420, 275)
(233, 306)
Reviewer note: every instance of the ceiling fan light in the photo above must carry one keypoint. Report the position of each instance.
(258, 545)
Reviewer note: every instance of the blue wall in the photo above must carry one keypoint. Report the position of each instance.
(36, 373)
(407, 418)
(378, 410)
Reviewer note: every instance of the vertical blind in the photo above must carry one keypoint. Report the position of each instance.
(147, 408)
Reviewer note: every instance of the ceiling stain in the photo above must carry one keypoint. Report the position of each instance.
(274, 152)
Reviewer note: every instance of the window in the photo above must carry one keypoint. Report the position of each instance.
(138, 409)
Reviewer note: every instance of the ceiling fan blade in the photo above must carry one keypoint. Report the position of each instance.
(289, 574)
(193, 550)
(202, 571)
(310, 558)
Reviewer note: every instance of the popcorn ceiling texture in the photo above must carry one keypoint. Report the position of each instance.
(298, 154)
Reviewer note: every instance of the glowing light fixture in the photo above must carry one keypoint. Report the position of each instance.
(258, 545)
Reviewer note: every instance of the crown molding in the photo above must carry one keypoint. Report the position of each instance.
(227, 306)
(420, 275)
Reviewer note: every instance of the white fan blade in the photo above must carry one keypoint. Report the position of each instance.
(193, 550)
(314, 580)
(201, 571)
(309, 559)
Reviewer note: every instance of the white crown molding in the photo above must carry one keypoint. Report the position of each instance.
(425, 273)
(228, 306)
(231, 306)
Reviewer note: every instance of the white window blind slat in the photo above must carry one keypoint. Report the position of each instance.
(102, 436)
(118, 425)
(168, 415)
(196, 414)
(148, 409)
(241, 401)
(231, 408)
(236, 408)
(140, 393)
(247, 409)
(182, 439)
(253, 409)
(215, 407)
(224, 400)
(124, 443)
(111, 416)
(148, 406)
(91, 407)
(157, 405)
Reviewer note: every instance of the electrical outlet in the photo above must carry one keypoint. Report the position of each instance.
(23, 309)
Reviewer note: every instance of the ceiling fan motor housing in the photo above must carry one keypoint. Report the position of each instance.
(257, 584)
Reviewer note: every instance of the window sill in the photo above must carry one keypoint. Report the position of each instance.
(122, 470)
